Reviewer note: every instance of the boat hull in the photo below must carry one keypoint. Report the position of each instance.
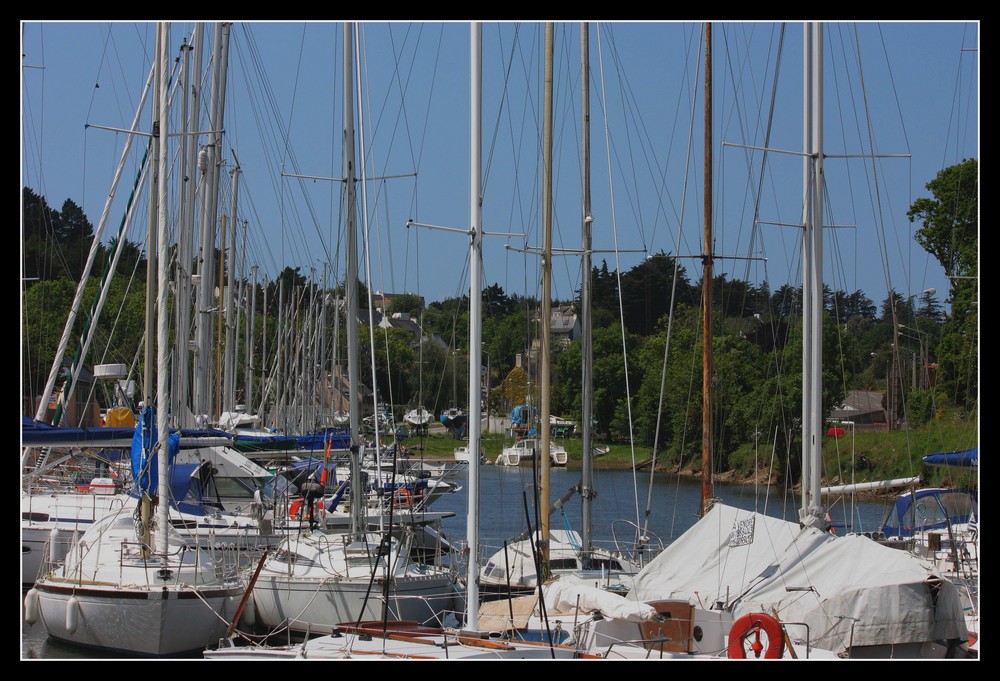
(524, 451)
(314, 606)
(148, 621)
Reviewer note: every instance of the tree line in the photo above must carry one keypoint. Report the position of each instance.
(926, 361)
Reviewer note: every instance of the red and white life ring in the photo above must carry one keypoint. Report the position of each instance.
(751, 625)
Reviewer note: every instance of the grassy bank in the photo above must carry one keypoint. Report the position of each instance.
(871, 455)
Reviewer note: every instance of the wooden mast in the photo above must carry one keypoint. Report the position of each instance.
(706, 413)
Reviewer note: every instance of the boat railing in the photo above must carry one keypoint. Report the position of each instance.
(655, 647)
(643, 546)
(785, 625)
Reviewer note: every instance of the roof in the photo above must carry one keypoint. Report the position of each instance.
(859, 402)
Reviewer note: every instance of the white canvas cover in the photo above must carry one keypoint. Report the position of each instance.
(701, 565)
(749, 561)
(863, 594)
(567, 597)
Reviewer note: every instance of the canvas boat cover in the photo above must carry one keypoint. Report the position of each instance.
(848, 590)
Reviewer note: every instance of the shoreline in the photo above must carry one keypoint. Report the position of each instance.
(726, 478)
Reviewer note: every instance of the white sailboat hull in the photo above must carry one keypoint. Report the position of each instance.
(525, 450)
(108, 594)
(148, 620)
(316, 606)
(418, 417)
(316, 580)
(52, 523)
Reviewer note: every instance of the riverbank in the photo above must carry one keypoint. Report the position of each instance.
(869, 456)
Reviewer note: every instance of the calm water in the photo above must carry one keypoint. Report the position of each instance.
(674, 507)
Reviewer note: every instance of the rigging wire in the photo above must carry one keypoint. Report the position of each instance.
(614, 226)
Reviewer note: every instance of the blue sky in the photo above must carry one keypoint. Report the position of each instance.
(909, 90)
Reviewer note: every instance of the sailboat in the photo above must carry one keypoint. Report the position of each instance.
(418, 417)
(938, 525)
(513, 570)
(382, 639)
(215, 502)
(145, 594)
(845, 595)
(524, 451)
(319, 577)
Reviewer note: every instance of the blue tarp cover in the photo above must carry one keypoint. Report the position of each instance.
(145, 465)
(966, 458)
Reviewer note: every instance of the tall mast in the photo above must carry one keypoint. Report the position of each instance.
(146, 501)
(353, 371)
(229, 374)
(163, 331)
(812, 512)
(706, 371)
(586, 340)
(475, 315)
(190, 108)
(209, 165)
(546, 323)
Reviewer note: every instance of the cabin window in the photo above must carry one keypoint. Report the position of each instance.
(183, 524)
(232, 488)
(958, 505)
(608, 564)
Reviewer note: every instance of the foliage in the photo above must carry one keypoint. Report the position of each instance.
(514, 388)
(919, 407)
(118, 338)
(950, 232)
(950, 220)
(408, 303)
(757, 342)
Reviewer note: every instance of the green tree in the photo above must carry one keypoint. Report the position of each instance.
(496, 302)
(74, 231)
(950, 220)
(950, 232)
(395, 365)
(646, 292)
(43, 316)
(663, 402)
(409, 303)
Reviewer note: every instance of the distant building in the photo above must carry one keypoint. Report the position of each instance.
(403, 321)
(565, 324)
(862, 407)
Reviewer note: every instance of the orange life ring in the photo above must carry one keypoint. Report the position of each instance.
(752, 624)
(294, 508)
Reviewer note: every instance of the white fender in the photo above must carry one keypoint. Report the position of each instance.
(248, 618)
(31, 607)
(72, 614)
(57, 545)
